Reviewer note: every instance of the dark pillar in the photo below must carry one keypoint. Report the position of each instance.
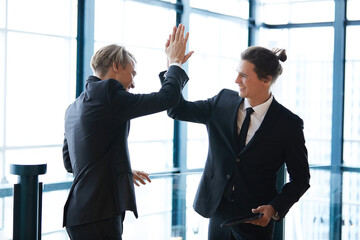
(27, 201)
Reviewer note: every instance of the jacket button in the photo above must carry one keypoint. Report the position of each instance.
(228, 176)
(238, 160)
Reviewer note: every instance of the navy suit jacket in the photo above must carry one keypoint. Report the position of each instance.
(278, 140)
(96, 149)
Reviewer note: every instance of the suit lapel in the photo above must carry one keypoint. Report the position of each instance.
(234, 110)
(266, 125)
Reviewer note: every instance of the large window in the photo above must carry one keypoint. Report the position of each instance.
(37, 82)
(352, 99)
(306, 88)
(218, 42)
(146, 39)
(352, 12)
(320, 83)
(295, 11)
(351, 179)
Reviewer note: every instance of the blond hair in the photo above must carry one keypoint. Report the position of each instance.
(106, 56)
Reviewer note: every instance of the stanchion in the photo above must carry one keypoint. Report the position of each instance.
(27, 201)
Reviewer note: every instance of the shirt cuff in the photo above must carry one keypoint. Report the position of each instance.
(172, 64)
(175, 64)
(276, 216)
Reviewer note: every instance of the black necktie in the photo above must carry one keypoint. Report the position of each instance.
(245, 127)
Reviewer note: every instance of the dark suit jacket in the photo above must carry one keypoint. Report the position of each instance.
(96, 149)
(278, 140)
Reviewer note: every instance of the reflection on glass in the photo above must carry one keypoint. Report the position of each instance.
(351, 206)
(309, 218)
(305, 86)
(352, 99)
(286, 11)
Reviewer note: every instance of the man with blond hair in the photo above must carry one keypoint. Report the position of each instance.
(95, 148)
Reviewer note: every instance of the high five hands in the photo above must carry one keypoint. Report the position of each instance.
(175, 46)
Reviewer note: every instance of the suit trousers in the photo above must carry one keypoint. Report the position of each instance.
(243, 231)
(108, 229)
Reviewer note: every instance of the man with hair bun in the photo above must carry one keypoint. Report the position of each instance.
(95, 148)
(251, 136)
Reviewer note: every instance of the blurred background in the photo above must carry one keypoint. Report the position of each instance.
(45, 50)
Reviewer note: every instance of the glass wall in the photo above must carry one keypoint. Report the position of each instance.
(352, 99)
(351, 179)
(38, 81)
(306, 88)
(152, 134)
(217, 42)
(351, 12)
(295, 11)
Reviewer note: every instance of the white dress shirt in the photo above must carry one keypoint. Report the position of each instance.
(256, 117)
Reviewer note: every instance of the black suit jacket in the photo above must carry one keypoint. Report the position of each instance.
(96, 149)
(278, 140)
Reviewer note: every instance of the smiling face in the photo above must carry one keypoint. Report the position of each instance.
(256, 90)
(126, 75)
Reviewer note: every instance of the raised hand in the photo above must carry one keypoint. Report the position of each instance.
(175, 46)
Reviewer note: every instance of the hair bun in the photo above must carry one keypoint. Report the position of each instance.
(280, 54)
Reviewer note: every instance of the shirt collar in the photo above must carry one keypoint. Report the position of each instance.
(93, 78)
(259, 109)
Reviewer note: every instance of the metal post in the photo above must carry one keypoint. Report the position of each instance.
(337, 132)
(26, 201)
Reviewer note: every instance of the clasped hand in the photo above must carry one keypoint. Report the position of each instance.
(175, 46)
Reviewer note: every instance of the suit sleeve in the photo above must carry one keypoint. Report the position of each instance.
(66, 157)
(136, 105)
(298, 168)
(197, 112)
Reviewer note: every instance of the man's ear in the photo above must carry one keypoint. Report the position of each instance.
(268, 80)
(115, 68)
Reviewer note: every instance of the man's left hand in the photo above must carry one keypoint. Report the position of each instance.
(140, 176)
(268, 212)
